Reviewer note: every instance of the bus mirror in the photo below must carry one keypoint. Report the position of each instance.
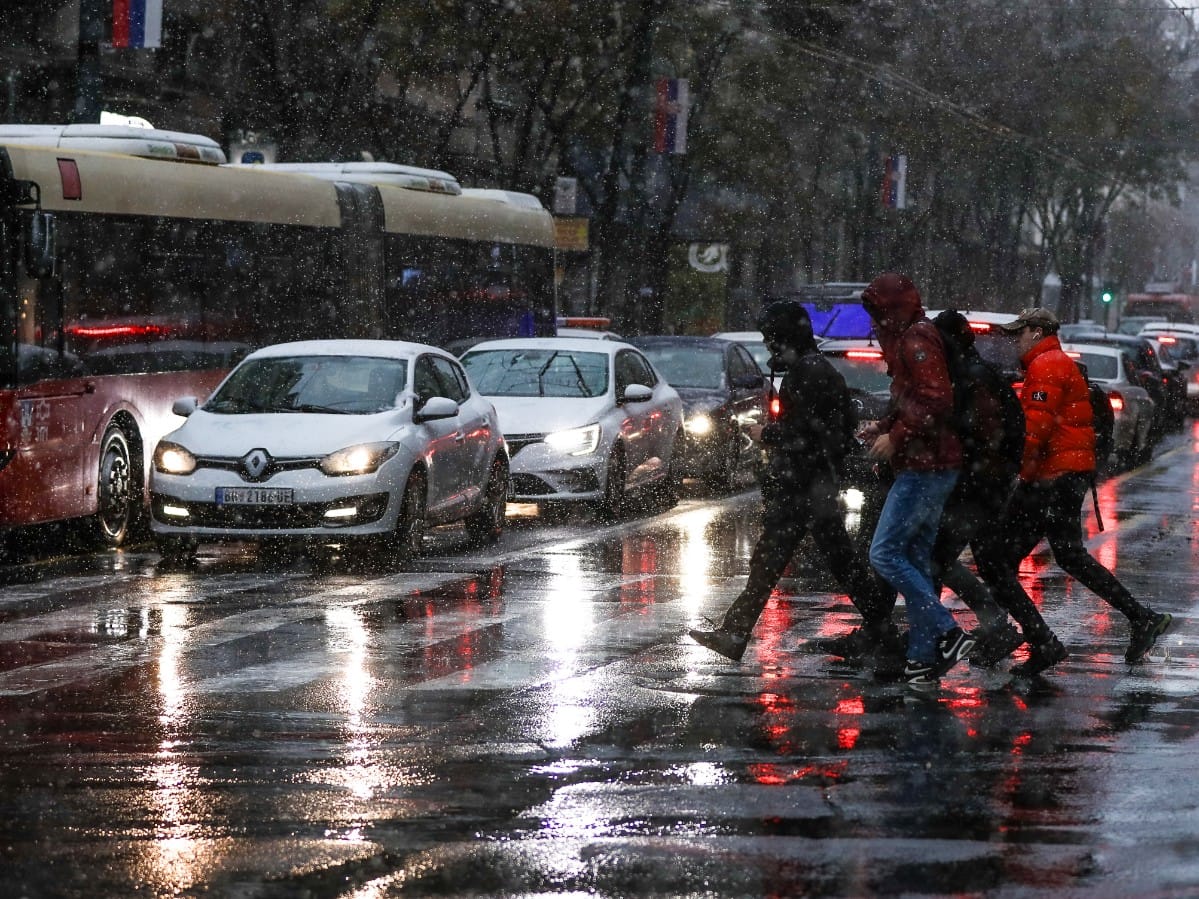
(41, 246)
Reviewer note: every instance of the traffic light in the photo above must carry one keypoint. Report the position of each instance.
(1107, 295)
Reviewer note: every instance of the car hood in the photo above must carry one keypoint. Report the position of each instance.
(701, 399)
(299, 434)
(546, 414)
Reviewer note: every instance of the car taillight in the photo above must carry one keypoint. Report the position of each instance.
(776, 407)
(1117, 401)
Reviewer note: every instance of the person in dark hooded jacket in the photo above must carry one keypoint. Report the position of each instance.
(806, 446)
(919, 440)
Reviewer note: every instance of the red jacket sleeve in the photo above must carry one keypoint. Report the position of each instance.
(1043, 397)
(924, 400)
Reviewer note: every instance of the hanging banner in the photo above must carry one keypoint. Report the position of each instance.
(670, 116)
(895, 181)
(136, 24)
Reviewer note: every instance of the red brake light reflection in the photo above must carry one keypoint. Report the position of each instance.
(980, 327)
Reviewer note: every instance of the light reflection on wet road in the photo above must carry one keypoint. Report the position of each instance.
(529, 720)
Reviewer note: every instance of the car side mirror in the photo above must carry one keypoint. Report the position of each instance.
(435, 408)
(637, 393)
(184, 406)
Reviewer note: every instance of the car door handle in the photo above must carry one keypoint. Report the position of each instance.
(459, 437)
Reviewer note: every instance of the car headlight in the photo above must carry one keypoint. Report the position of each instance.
(576, 441)
(700, 424)
(171, 458)
(361, 459)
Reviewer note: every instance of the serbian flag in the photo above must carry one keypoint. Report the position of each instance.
(137, 24)
(670, 116)
(895, 182)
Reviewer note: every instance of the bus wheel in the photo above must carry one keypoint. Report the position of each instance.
(118, 495)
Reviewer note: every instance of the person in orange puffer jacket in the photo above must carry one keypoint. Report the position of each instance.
(1056, 472)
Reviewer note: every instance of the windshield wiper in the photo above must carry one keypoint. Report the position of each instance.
(313, 407)
(541, 372)
(583, 388)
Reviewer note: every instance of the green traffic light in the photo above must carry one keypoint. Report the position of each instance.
(1107, 296)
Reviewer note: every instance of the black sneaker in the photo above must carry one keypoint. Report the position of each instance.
(857, 644)
(1041, 656)
(921, 675)
(995, 645)
(729, 644)
(865, 641)
(952, 647)
(1145, 634)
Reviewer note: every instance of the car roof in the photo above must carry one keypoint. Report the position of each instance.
(679, 340)
(580, 344)
(1096, 348)
(1161, 327)
(588, 334)
(741, 336)
(842, 345)
(394, 349)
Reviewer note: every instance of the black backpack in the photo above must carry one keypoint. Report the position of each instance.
(971, 376)
(1103, 420)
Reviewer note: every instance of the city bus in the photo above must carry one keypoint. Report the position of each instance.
(137, 267)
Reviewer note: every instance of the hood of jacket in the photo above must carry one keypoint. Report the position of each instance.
(893, 303)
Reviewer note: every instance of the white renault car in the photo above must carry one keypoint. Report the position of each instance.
(347, 441)
(585, 420)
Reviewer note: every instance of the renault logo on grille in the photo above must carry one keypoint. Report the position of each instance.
(256, 462)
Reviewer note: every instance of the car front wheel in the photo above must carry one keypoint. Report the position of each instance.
(614, 501)
(487, 524)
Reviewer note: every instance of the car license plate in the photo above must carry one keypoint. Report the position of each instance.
(253, 496)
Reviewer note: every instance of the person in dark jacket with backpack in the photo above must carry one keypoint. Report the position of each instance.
(805, 446)
(1057, 468)
(918, 439)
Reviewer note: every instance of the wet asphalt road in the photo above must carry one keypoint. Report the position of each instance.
(529, 720)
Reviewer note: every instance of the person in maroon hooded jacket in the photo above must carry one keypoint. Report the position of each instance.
(917, 438)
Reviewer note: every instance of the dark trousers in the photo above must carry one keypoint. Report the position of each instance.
(790, 512)
(975, 505)
(1053, 510)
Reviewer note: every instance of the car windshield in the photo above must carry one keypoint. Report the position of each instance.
(761, 354)
(340, 385)
(1100, 367)
(685, 366)
(538, 372)
(867, 372)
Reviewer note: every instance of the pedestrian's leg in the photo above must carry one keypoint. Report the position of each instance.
(1064, 531)
(908, 526)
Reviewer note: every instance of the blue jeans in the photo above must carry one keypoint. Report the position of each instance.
(902, 553)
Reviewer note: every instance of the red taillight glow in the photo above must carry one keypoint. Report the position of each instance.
(114, 330)
(1117, 401)
(1166, 338)
(873, 355)
(776, 407)
(980, 327)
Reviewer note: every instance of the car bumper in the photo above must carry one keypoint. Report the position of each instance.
(540, 474)
(321, 507)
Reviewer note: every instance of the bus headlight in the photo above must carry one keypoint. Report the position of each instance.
(576, 441)
(171, 458)
(361, 459)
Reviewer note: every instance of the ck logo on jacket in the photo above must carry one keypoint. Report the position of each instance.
(1040, 396)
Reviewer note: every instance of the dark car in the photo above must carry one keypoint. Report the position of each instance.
(1168, 389)
(723, 393)
(865, 482)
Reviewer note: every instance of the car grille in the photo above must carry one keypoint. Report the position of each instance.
(299, 515)
(517, 442)
(238, 466)
(528, 485)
